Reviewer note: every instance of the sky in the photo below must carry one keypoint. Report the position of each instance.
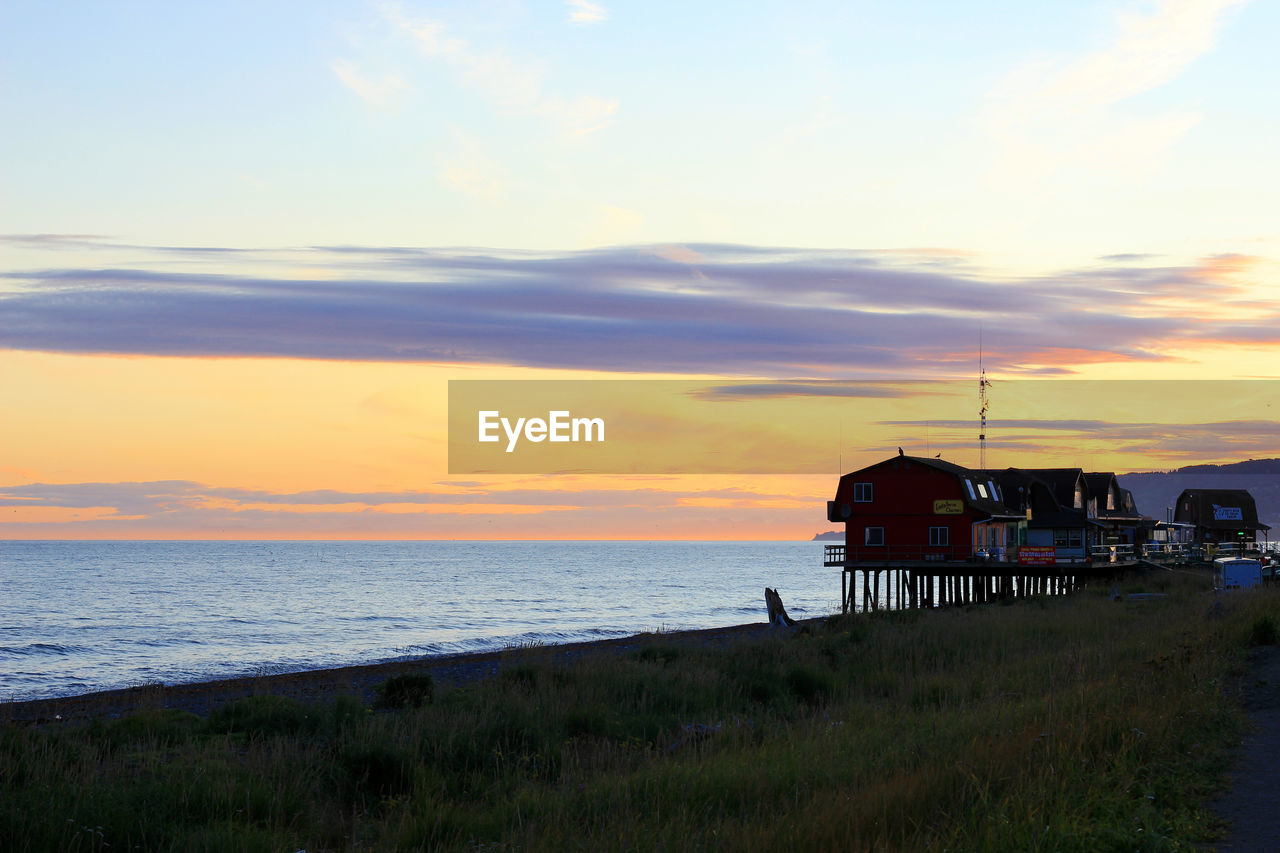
(244, 248)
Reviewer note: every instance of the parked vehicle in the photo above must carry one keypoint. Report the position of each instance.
(1236, 573)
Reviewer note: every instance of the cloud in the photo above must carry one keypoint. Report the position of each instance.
(470, 170)
(1154, 441)
(1050, 115)
(179, 507)
(509, 83)
(711, 308)
(765, 391)
(382, 92)
(586, 12)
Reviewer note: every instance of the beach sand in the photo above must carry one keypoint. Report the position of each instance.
(359, 681)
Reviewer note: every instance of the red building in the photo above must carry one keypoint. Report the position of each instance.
(911, 508)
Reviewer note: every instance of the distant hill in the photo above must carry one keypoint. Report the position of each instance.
(1153, 492)
(829, 536)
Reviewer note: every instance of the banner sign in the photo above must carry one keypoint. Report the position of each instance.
(948, 507)
(1227, 513)
(1037, 555)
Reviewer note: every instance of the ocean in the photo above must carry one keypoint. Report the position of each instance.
(76, 617)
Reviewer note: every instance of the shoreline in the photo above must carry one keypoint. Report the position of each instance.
(360, 680)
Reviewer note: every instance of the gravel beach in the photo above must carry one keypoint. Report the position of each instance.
(360, 681)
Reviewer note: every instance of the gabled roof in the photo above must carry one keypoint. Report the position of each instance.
(990, 505)
(1023, 490)
(1063, 482)
(1102, 483)
(1217, 509)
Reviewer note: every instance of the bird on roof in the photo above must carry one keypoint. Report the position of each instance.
(900, 453)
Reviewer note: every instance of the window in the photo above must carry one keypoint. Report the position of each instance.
(995, 492)
(862, 493)
(939, 536)
(875, 535)
(982, 490)
(1067, 538)
(1079, 497)
(968, 484)
(1111, 500)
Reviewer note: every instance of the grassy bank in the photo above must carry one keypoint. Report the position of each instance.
(1058, 724)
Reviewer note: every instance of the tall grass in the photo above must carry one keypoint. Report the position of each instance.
(1044, 724)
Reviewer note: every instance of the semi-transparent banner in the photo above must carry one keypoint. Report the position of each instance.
(821, 427)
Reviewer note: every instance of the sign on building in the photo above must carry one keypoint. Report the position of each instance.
(1227, 513)
(1037, 555)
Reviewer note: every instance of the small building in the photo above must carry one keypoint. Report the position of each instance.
(1220, 516)
(1114, 512)
(909, 508)
(1065, 524)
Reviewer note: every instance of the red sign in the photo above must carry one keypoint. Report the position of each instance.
(1036, 555)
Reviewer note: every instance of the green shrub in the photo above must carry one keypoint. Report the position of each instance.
(1263, 632)
(521, 676)
(809, 685)
(163, 726)
(262, 716)
(412, 690)
(658, 654)
(378, 769)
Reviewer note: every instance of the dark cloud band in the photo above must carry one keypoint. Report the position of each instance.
(706, 309)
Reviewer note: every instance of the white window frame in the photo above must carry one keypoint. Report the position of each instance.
(982, 490)
(863, 493)
(867, 537)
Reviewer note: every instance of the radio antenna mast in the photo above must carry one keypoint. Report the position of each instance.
(983, 404)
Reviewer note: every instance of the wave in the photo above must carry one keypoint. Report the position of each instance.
(31, 649)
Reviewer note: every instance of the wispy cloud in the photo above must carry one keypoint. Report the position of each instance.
(470, 170)
(586, 12)
(1170, 443)
(1052, 114)
(509, 83)
(178, 507)
(731, 310)
(381, 92)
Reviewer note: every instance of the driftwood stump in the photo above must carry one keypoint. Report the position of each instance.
(777, 613)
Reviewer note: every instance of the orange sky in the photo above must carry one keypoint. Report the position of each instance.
(168, 447)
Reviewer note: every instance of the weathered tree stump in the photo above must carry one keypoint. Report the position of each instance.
(777, 613)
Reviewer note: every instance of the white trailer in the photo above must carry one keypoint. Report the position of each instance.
(1236, 572)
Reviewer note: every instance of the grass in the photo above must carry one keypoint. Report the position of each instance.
(1048, 724)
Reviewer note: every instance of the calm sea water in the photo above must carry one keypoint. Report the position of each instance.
(82, 616)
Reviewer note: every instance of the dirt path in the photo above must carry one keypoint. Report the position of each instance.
(1251, 802)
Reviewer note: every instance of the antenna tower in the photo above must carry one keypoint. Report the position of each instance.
(983, 404)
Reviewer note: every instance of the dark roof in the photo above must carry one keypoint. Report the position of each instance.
(991, 506)
(1098, 482)
(1058, 518)
(1023, 490)
(1212, 509)
(1130, 504)
(1063, 482)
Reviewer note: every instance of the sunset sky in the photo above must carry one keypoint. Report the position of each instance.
(245, 247)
